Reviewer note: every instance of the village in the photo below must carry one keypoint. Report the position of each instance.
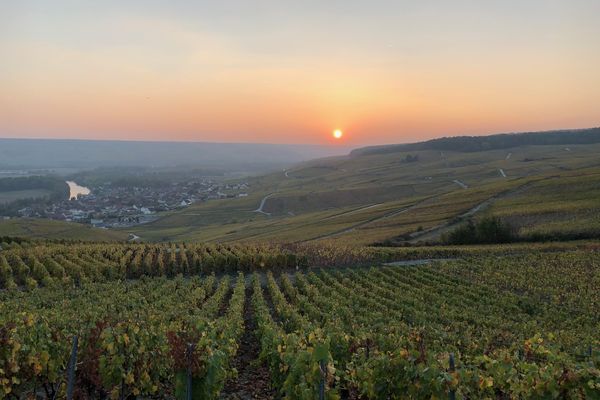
(108, 206)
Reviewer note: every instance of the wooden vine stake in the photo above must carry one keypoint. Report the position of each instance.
(452, 394)
(190, 355)
(71, 370)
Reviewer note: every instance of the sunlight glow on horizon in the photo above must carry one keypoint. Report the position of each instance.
(391, 72)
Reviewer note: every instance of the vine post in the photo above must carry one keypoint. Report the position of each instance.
(71, 370)
(323, 368)
(189, 355)
(452, 393)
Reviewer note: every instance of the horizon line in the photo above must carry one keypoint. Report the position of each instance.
(326, 145)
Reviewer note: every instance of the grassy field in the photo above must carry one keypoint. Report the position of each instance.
(380, 197)
(49, 229)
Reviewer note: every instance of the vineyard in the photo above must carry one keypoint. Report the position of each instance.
(30, 264)
(482, 327)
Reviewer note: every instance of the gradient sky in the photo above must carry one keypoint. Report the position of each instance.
(292, 71)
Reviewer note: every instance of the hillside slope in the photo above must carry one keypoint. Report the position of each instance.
(391, 196)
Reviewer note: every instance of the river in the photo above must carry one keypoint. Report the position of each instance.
(76, 190)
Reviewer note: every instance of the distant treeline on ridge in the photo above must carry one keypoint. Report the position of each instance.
(492, 142)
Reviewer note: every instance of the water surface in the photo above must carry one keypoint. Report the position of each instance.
(75, 190)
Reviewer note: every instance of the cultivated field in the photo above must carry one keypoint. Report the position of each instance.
(514, 327)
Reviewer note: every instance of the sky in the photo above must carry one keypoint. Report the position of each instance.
(294, 71)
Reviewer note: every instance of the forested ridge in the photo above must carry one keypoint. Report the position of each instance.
(490, 142)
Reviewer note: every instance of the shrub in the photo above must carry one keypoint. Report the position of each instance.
(486, 230)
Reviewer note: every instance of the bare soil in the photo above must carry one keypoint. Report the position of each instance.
(253, 380)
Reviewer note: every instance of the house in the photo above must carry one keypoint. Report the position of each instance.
(97, 223)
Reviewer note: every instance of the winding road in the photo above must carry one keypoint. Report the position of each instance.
(262, 204)
(461, 184)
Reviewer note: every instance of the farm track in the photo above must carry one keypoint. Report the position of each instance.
(253, 377)
(370, 221)
(438, 230)
(354, 211)
(461, 184)
(432, 232)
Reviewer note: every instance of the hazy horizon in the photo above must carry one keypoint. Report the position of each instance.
(283, 72)
(337, 148)
(83, 153)
(174, 140)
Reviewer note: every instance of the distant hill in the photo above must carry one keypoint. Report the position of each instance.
(249, 157)
(492, 142)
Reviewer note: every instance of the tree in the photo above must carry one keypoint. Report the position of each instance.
(486, 230)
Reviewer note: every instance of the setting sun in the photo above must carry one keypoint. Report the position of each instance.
(338, 134)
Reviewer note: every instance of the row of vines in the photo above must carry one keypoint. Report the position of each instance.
(29, 264)
(133, 338)
(45, 265)
(517, 328)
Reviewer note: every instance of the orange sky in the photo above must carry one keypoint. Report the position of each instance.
(283, 72)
